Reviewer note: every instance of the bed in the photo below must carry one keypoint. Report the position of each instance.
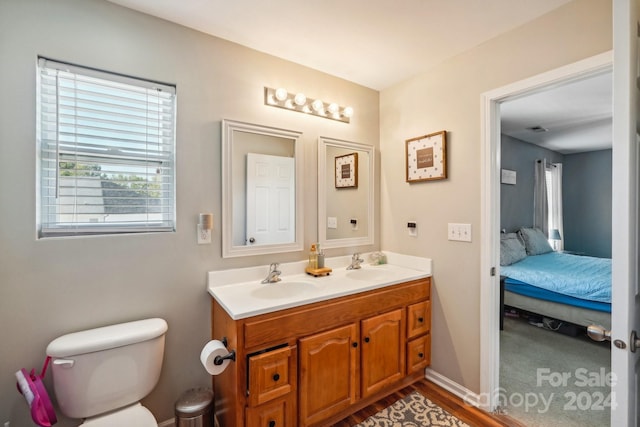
(562, 286)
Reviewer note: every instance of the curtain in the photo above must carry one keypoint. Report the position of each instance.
(540, 206)
(555, 214)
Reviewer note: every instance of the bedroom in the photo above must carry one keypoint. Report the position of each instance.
(568, 126)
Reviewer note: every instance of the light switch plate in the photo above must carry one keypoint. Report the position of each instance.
(459, 232)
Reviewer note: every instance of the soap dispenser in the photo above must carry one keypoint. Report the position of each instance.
(313, 258)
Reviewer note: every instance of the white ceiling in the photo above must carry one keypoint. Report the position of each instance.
(577, 116)
(375, 43)
(378, 43)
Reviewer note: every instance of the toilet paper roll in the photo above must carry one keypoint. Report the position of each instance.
(209, 353)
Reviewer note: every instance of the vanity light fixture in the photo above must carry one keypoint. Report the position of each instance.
(281, 98)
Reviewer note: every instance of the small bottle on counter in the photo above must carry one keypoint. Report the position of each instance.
(313, 257)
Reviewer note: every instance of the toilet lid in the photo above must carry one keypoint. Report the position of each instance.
(134, 415)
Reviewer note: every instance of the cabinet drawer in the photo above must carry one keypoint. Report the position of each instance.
(418, 353)
(418, 319)
(279, 413)
(272, 375)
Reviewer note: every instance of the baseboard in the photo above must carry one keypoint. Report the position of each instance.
(168, 423)
(469, 397)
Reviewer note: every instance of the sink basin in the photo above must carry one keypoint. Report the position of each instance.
(368, 274)
(285, 289)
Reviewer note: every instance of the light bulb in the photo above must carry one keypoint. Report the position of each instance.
(281, 94)
(348, 112)
(300, 99)
(318, 106)
(333, 108)
(288, 103)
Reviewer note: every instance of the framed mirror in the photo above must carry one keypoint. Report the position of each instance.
(261, 190)
(345, 193)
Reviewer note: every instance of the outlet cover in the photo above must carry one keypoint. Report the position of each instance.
(332, 222)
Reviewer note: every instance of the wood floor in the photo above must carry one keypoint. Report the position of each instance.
(448, 401)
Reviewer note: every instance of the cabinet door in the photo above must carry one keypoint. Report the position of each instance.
(383, 351)
(327, 369)
(419, 319)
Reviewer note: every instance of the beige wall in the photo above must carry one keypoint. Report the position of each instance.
(448, 98)
(51, 287)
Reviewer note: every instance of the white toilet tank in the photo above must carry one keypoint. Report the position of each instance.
(104, 369)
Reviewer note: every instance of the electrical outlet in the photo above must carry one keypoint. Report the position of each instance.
(412, 226)
(204, 236)
(459, 232)
(354, 223)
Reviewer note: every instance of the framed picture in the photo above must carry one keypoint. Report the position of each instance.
(347, 171)
(427, 157)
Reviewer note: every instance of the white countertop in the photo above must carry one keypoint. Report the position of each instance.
(241, 294)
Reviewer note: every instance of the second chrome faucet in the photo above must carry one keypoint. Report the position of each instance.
(355, 262)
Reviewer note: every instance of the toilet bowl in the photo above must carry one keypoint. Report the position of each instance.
(100, 375)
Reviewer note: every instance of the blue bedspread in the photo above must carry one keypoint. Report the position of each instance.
(577, 276)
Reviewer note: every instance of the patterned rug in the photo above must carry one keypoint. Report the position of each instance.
(415, 410)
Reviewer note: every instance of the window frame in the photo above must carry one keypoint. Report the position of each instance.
(128, 161)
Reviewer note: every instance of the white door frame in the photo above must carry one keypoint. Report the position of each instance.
(490, 215)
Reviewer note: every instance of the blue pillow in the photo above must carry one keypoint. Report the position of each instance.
(535, 242)
(511, 249)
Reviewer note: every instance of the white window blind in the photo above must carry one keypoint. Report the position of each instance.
(106, 152)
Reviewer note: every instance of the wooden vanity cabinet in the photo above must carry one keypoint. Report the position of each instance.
(315, 364)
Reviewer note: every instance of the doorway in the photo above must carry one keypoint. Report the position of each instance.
(546, 356)
(491, 163)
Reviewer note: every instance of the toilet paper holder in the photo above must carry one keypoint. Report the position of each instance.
(219, 360)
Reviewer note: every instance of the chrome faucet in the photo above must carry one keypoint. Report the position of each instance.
(274, 274)
(355, 262)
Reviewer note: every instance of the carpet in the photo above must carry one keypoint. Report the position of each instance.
(550, 379)
(414, 410)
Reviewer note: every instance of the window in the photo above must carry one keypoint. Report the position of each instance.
(106, 148)
(553, 178)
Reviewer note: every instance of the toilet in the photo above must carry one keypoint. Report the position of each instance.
(100, 375)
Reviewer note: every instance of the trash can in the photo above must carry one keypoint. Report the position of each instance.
(195, 408)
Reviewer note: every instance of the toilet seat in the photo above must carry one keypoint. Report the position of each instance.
(134, 415)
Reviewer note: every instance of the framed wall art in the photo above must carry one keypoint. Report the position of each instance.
(347, 171)
(427, 157)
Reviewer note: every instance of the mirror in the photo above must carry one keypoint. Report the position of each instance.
(345, 193)
(261, 190)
